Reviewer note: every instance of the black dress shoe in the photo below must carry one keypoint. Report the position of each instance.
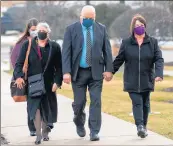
(141, 131)
(94, 137)
(32, 133)
(38, 140)
(146, 130)
(81, 131)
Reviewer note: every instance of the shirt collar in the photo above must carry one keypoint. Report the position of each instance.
(86, 27)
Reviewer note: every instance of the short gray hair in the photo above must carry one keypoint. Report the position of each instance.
(88, 7)
(44, 24)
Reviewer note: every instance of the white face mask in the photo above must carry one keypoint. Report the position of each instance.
(33, 33)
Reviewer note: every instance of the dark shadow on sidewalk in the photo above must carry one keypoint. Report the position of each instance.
(3, 140)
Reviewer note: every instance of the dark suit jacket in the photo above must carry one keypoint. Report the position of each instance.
(72, 50)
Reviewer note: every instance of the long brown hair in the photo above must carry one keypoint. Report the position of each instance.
(31, 22)
(134, 19)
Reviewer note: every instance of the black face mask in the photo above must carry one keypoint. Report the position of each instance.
(42, 35)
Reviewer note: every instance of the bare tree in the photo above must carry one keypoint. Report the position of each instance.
(87, 2)
(166, 5)
(171, 6)
(122, 1)
(159, 23)
(107, 13)
(55, 14)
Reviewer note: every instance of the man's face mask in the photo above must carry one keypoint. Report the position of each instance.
(87, 22)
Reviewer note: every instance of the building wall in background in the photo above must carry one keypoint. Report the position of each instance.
(11, 3)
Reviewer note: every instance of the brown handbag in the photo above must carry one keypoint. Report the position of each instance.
(20, 95)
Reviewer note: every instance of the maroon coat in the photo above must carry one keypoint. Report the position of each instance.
(16, 51)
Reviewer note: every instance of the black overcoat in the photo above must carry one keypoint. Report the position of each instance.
(53, 74)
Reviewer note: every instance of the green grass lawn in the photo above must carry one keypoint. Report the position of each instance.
(117, 103)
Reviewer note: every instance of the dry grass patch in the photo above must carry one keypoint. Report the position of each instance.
(170, 68)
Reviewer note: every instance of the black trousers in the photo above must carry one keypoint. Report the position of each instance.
(141, 107)
(84, 80)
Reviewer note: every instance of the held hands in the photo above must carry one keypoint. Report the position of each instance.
(20, 83)
(54, 87)
(107, 76)
(67, 78)
(158, 79)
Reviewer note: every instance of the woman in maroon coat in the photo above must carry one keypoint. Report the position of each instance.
(29, 33)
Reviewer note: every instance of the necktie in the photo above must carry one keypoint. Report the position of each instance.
(88, 48)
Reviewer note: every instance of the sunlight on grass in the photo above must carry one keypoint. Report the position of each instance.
(170, 68)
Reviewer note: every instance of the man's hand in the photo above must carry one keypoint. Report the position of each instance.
(107, 76)
(54, 87)
(67, 78)
(158, 79)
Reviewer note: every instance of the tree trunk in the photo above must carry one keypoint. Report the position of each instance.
(87, 2)
(171, 6)
(122, 1)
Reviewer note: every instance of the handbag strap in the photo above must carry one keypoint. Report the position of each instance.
(25, 66)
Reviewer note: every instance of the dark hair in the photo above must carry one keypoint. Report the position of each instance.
(31, 22)
(134, 19)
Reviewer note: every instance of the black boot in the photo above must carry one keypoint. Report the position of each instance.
(141, 131)
(145, 127)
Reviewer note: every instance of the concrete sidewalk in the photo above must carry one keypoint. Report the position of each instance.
(114, 131)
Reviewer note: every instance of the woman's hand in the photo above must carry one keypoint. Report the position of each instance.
(158, 79)
(54, 87)
(108, 76)
(20, 83)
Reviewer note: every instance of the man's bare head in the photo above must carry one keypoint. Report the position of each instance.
(88, 11)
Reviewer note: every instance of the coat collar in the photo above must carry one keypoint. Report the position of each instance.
(34, 46)
(34, 42)
(80, 32)
(146, 39)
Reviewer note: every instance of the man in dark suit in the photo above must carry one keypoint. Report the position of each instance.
(87, 60)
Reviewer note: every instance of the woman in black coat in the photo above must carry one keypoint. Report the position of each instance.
(143, 65)
(42, 109)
